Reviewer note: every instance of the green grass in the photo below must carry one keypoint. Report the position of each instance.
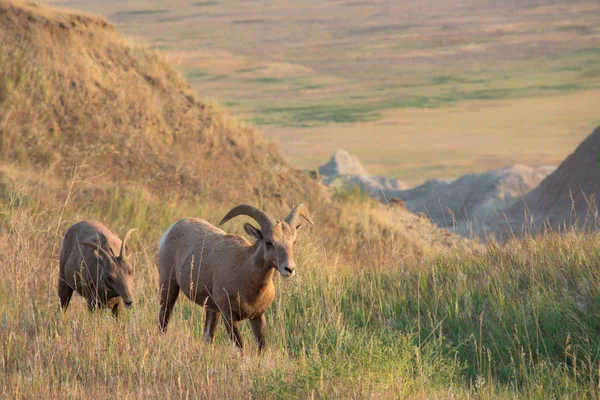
(509, 318)
(351, 110)
(319, 114)
(444, 79)
(204, 3)
(513, 321)
(358, 3)
(513, 93)
(249, 21)
(359, 101)
(338, 113)
(143, 12)
(172, 19)
(251, 69)
(314, 86)
(589, 55)
(269, 80)
(196, 75)
(351, 193)
(161, 47)
(193, 75)
(300, 101)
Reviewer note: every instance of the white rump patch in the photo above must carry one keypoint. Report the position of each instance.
(164, 236)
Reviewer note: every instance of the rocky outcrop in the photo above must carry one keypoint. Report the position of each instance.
(473, 198)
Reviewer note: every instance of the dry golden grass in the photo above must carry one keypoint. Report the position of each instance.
(78, 354)
(495, 322)
(72, 90)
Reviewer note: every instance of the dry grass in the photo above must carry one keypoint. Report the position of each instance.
(72, 90)
(511, 321)
(84, 355)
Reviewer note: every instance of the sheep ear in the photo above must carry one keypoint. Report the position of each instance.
(252, 231)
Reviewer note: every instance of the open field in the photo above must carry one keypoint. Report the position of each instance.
(514, 321)
(316, 75)
(472, 137)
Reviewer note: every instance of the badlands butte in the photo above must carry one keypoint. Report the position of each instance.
(483, 286)
(517, 199)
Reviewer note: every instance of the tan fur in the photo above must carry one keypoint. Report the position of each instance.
(84, 269)
(225, 273)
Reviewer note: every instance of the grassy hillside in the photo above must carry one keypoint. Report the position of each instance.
(513, 321)
(73, 92)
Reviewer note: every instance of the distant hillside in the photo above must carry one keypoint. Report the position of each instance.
(459, 204)
(72, 91)
(568, 197)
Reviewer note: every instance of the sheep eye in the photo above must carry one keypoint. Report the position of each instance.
(269, 245)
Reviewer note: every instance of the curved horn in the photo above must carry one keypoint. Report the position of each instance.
(97, 247)
(257, 214)
(301, 210)
(123, 252)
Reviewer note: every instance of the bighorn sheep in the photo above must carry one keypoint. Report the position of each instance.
(225, 273)
(90, 264)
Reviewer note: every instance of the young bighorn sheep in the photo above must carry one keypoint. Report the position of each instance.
(93, 261)
(225, 273)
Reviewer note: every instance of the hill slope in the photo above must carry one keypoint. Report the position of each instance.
(72, 90)
(567, 197)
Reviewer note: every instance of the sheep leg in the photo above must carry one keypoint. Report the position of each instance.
(210, 326)
(259, 328)
(233, 329)
(64, 293)
(168, 296)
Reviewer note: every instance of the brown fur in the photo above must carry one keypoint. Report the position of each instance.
(225, 273)
(102, 282)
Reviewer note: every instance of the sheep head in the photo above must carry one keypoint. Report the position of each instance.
(117, 272)
(275, 239)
